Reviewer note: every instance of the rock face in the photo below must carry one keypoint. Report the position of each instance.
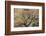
(22, 17)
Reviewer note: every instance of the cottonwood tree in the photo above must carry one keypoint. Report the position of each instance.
(27, 19)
